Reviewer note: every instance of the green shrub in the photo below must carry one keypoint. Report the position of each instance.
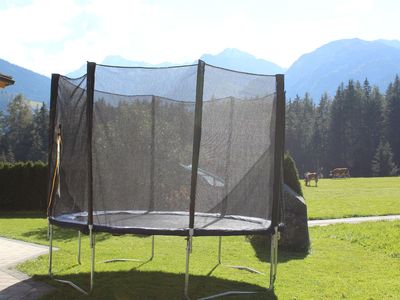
(23, 186)
(291, 175)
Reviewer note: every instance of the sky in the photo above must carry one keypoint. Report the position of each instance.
(59, 36)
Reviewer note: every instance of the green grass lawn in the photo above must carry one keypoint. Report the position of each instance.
(346, 261)
(350, 197)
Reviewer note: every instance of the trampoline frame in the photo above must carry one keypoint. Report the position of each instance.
(273, 230)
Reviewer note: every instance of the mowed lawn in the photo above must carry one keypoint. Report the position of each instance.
(359, 261)
(351, 197)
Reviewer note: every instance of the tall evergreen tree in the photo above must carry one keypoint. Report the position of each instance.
(345, 129)
(292, 138)
(307, 127)
(337, 143)
(19, 126)
(383, 163)
(320, 141)
(39, 134)
(371, 129)
(392, 123)
(299, 131)
(353, 129)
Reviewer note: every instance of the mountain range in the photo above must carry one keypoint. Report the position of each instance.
(319, 71)
(325, 68)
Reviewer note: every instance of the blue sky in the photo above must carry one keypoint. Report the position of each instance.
(58, 36)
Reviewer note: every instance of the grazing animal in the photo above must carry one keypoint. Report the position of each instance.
(310, 176)
(340, 173)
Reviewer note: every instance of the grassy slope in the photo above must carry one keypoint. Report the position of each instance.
(347, 261)
(338, 198)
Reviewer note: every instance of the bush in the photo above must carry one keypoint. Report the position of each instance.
(291, 175)
(23, 186)
(290, 178)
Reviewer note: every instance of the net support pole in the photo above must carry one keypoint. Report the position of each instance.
(56, 172)
(195, 165)
(278, 174)
(152, 152)
(196, 139)
(91, 68)
(52, 128)
(279, 149)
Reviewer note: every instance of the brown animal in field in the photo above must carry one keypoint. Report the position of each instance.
(311, 176)
(340, 173)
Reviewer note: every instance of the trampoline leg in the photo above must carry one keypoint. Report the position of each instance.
(50, 250)
(219, 250)
(231, 266)
(274, 259)
(152, 248)
(188, 251)
(79, 247)
(133, 259)
(274, 264)
(48, 229)
(92, 246)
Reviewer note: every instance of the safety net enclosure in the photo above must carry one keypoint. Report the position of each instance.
(168, 151)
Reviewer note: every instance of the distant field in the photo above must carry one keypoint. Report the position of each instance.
(339, 198)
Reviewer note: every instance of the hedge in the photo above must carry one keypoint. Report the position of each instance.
(23, 186)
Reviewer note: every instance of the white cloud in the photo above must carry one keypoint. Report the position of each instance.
(30, 26)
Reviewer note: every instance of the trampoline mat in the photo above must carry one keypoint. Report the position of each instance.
(165, 223)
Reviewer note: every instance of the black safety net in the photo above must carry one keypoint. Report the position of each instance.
(68, 109)
(160, 150)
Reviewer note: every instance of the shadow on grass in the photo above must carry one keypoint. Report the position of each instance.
(262, 247)
(34, 289)
(61, 234)
(58, 234)
(151, 285)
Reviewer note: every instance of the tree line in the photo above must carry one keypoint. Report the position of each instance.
(23, 132)
(359, 129)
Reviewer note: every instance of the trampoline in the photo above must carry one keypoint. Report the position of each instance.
(192, 150)
(168, 223)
